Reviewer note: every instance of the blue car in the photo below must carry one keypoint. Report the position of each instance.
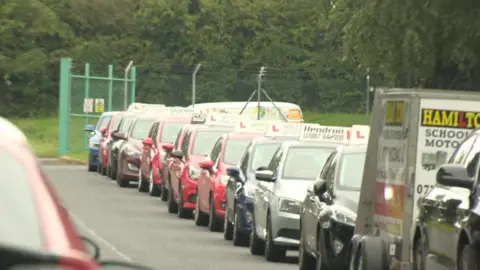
(240, 188)
(94, 139)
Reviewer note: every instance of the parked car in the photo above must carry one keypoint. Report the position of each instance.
(448, 224)
(151, 168)
(184, 173)
(130, 152)
(240, 188)
(115, 143)
(43, 235)
(94, 140)
(328, 212)
(105, 138)
(279, 195)
(227, 151)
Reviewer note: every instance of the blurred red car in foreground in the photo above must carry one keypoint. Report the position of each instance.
(163, 132)
(35, 230)
(210, 206)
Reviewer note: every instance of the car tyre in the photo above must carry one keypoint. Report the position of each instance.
(99, 167)
(273, 253)
(469, 259)
(214, 224)
(201, 219)
(305, 260)
(172, 205)
(153, 189)
(120, 180)
(240, 239)
(227, 227)
(419, 254)
(142, 184)
(257, 245)
(164, 190)
(182, 212)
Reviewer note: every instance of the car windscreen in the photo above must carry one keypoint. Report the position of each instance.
(204, 141)
(234, 150)
(126, 123)
(141, 128)
(103, 122)
(20, 221)
(351, 170)
(304, 163)
(170, 132)
(263, 154)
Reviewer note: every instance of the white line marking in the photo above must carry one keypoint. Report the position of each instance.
(99, 238)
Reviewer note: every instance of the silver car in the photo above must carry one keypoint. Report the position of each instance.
(279, 194)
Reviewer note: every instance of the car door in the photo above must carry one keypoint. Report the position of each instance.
(148, 152)
(178, 164)
(264, 192)
(441, 204)
(154, 153)
(204, 182)
(312, 206)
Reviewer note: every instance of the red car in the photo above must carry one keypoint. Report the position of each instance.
(104, 139)
(42, 235)
(151, 166)
(210, 204)
(196, 145)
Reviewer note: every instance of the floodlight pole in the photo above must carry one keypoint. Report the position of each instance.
(261, 73)
(194, 84)
(125, 87)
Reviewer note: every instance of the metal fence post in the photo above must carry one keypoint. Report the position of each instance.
(133, 76)
(63, 106)
(87, 95)
(110, 88)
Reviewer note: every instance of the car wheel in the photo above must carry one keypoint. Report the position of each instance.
(419, 255)
(142, 185)
(305, 261)
(153, 189)
(91, 168)
(99, 167)
(240, 239)
(469, 259)
(164, 191)
(172, 205)
(227, 227)
(213, 222)
(120, 181)
(182, 212)
(201, 219)
(257, 245)
(273, 253)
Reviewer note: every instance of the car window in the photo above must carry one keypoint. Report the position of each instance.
(275, 162)
(103, 122)
(461, 152)
(153, 130)
(170, 131)
(215, 153)
(20, 222)
(126, 123)
(324, 171)
(304, 162)
(204, 141)
(141, 128)
(263, 154)
(185, 143)
(177, 140)
(351, 171)
(244, 161)
(472, 157)
(116, 122)
(234, 150)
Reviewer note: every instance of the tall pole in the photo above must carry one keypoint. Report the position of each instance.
(259, 90)
(194, 83)
(367, 96)
(125, 87)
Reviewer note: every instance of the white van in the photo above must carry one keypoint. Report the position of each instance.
(291, 111)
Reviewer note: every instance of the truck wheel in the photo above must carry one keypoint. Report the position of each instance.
(469, 259)
(372, 254)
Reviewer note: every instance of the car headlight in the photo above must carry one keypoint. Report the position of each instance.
(290, 206)
(224, 179)
(343, 217)
(193, 173)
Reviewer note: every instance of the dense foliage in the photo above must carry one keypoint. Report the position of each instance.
(316, 51)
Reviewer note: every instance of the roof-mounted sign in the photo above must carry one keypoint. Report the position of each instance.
(358, 135)
(181, 111)
(137, 107)
(283, 129)
(198, 118)
(251, 126)
(221, 119)
(318, 133)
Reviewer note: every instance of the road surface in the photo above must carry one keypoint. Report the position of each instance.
(129, 225)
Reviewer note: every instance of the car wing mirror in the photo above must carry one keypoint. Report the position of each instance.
(454, 175)
(265, 175)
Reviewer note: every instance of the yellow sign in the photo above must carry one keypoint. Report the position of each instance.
(394, 113)
(451, 119)
(99, 105)
(294, 114)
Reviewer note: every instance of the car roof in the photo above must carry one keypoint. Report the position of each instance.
(241, 104)
(353, 148)
(110, 113)
(310, 144)
(12, 132)
(242, 135)
(174, 119)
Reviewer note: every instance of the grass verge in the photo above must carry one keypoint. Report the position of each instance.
(43, 132)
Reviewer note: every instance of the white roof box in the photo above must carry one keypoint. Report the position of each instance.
(244, 125)
(358, 135)
(136, 107)
(283, 129)
(329, 134)
(221, 119)
(198, 118)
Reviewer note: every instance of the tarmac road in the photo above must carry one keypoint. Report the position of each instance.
(129, 225)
